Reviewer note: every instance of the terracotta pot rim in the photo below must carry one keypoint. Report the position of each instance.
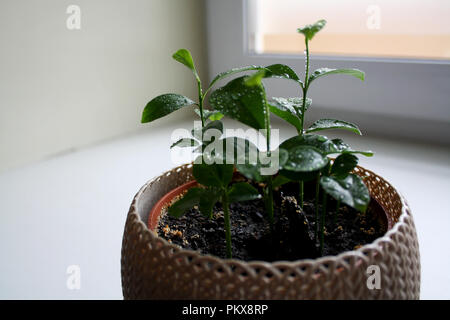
(153, 219)
(156, 211)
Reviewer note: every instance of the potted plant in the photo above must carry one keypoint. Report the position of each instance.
(298, 221)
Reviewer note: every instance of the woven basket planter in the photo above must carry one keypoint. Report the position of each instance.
(152, 268)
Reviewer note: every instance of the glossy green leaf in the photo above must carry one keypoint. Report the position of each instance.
(241, 102)
(318, 146)
(189, 200)
(184, 56)
(230, 72)
(242, 191)
(254, 171)
(238, 150)
(281, 71)
(163, 105)
(343, 165)
(293, 105)
(289, 109)
(185, 142)
(209, 114)
(351, 190)
(325, 145)
(325, 124)
(322, 143)
(255, 79)
(217, 124)
(214, 115)
(367, 153)
(305, 158)
(251, 171)
(310, 30)
(280, 180)
(286, 115)
(327, 71)
(342, 147)
(207, 201)
(213, 175)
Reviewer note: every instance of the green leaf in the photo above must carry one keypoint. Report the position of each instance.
(364, 153)
(184, 56)
(325, 124)
(343, 165)
(213, 175)
(230, 72)
(281, 71)
(284, 114)
(217, 124)
(255, 79)
(322, 143)
(351, 190)
(342, 147)
(242, 191)
(214, 115)
(185, 142)
(289, 109)
(238, 150)
(293, 105)
(340, 144)
(163, 105)
(241, 102)
(310, 30)
(325, 145)
(209, 114)
(253, 171)
(207, 201)
(189, 200)
(280, 180)
(326, 71)
(304, 158)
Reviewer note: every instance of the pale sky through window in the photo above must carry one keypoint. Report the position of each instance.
(383, 28)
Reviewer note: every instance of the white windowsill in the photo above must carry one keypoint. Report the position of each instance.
(71, 210)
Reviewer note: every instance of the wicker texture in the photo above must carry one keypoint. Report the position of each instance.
(152, 268)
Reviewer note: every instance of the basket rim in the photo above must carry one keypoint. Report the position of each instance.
(362, 253)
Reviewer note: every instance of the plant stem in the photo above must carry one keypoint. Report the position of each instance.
(301, 193)
(316, 231)
(322, 225)
(269, 187)
(302, 117)
(200, 100)
(226, 216)
(305, 85)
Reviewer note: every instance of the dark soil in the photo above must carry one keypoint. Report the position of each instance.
(293, 235)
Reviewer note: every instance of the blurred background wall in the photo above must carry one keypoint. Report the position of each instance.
(62, 89)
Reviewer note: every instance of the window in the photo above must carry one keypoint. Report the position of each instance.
(383, 28)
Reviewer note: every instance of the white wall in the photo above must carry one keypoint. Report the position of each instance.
(62, 89)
